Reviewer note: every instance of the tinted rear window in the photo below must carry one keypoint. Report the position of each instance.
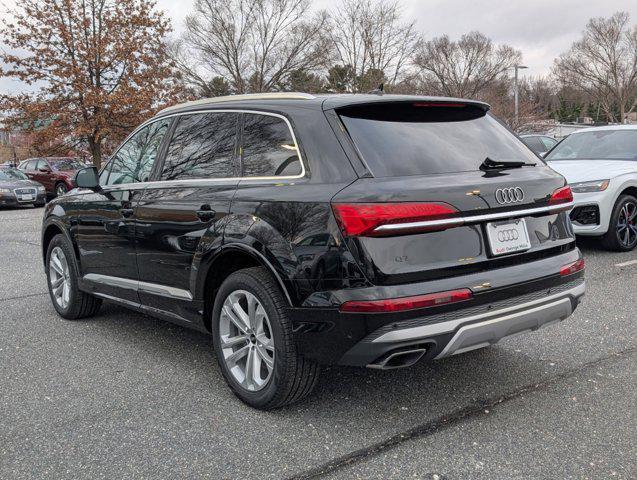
(399, 139)
(268, 147)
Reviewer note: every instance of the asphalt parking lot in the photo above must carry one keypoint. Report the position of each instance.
(128, 396)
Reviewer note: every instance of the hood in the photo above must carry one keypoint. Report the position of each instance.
(588, 170)
(18, 184)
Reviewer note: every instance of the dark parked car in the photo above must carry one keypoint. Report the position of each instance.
(16, 189)
(55, 173)
(366, 230)
(540, 144)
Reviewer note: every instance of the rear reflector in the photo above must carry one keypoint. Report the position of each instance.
(363, 219)
(407, 303)
(561, 195)
(572, 268)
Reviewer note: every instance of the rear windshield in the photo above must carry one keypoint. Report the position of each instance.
(399, 139)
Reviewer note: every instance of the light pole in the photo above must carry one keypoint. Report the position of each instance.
(515, 90)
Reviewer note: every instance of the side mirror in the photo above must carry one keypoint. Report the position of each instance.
(87, 178)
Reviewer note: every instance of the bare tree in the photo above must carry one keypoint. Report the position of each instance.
(463, 68)
(534, 104)
(541, 91)
(372, 41)
(604, 64)
(253, 44)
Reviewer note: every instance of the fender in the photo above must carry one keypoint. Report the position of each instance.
(280, 236)
(55, 215)
(262, 259)
(254, 236)
(629, 182)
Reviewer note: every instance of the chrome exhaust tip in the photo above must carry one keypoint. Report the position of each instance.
(398, 359)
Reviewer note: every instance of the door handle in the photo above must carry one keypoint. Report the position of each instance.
(206, 213)
(126, 212)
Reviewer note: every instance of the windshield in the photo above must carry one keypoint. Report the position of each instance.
(422, 138)
(12, 174)
(65, 165)
(597, 145)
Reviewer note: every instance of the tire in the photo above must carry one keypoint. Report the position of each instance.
(78, 304)
(616, 238)
(60, 189)
(292, 377)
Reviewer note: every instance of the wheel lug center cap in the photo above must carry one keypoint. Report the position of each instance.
(253, 338)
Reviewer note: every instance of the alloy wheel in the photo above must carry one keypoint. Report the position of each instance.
(60, 190)
(627, 225)
(246, 340)
(59, 277)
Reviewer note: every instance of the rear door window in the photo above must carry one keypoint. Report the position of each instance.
(268, 148)
(423, 138)
(202, 146)
(65, 165)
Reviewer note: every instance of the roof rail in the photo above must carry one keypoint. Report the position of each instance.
(247, 96)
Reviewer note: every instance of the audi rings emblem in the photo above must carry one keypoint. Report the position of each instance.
(505, 196)
(508, 235)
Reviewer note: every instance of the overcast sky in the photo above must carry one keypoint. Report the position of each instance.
(540, 29)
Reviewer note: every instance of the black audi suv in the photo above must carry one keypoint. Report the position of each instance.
(299, 230)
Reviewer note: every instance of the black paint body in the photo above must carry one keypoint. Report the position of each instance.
(160, 233)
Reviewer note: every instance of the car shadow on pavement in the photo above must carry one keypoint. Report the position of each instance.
(433, 387)
(20, 207)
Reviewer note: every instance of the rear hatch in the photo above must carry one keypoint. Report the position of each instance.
(451, 192)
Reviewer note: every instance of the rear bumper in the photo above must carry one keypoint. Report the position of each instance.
(329, 336)
(470, 328)
(486, 329)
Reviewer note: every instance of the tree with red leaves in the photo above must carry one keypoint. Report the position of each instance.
(94, 68)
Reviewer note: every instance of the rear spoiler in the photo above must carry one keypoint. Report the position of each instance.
(344, 101)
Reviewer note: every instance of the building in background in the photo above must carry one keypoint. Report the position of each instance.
(15, 145)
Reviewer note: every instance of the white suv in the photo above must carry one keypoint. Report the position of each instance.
(600, 164)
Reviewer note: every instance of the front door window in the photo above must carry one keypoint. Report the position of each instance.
(134, 161)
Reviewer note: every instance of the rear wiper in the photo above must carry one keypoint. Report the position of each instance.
(489, 164)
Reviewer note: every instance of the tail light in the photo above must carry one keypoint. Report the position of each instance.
(406, 303)
(561, 195)
(572, 268)
(383, 219)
